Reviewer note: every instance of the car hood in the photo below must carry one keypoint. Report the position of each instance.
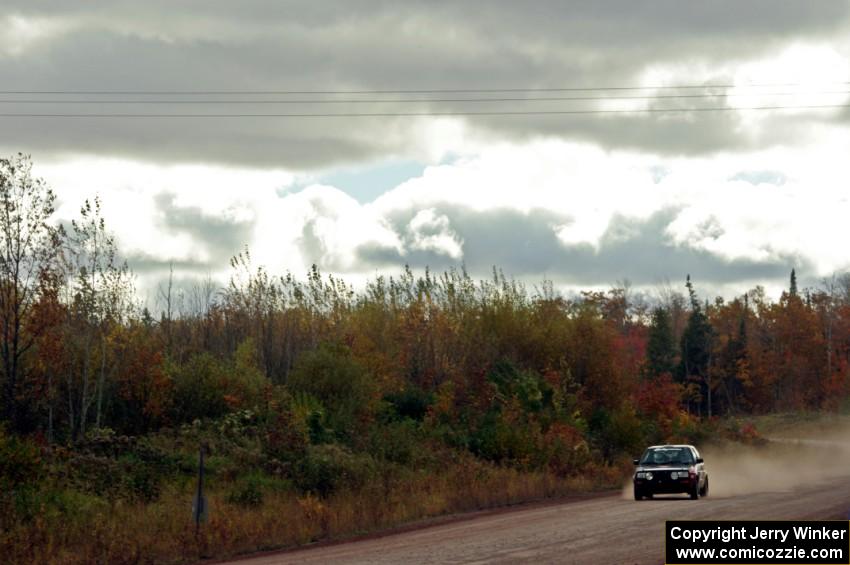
(653, 468)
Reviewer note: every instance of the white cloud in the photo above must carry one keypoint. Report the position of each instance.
(432, 232)
(715, 210)
(337, 223)
(22, 33)
(767, 204)
(129, 191)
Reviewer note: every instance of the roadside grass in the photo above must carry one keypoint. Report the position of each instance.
(120, 500)
(124, 500)
(161, 531)
(803, 425)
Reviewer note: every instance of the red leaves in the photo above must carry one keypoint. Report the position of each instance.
(659, 400)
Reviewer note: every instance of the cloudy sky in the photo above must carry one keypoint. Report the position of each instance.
(734, 197)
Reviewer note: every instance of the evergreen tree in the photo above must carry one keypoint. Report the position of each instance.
(696, 348)
(793, 289)
(734, 361)
(660, 349)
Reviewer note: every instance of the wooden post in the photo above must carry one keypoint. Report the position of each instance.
(200, 505)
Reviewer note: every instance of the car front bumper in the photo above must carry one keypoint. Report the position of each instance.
(668, 486)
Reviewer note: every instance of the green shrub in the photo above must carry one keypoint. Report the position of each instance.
(20, 462)
(398, 442)
(503, 441)
(50, 504)
(247, 492)
(208, 387)
(245, 382)
(412, 403)
(21, 470)
(238, 425)
(284, 438)
(616, 432)
(114, 467)
(141, 482)
(331, 375)
(331, 468)
(309, 414)
(198, 388)
(22, 506)
(526, 386)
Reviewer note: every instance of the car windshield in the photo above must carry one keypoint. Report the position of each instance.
(667, 456)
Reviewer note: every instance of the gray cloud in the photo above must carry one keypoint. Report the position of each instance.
(219, 238)
(314, 249)
(527, 246)
(145, 264)
(387, 45)
(760, 177)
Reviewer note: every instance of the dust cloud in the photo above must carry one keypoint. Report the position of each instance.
(790, 458)
(779, 466)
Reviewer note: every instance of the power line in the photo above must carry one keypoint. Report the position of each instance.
(425, 100)
(424, 114)
(408, 91)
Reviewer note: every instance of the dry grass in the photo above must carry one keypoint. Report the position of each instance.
(162, 532)
(803, 425)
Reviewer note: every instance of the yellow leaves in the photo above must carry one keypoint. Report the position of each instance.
(312, 507)
(742, 372)
(444, 401)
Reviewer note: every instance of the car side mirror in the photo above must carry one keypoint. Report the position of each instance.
(635, 461)
(700, 460)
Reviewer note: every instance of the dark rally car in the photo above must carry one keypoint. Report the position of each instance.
(670, 469)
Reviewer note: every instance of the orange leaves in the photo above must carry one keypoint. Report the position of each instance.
(659, 400)
(142, 381)
(566, 449)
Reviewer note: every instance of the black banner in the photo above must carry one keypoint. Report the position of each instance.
(763, 542)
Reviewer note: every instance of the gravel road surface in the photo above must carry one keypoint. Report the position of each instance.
(606, 529)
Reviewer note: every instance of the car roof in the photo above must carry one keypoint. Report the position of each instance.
(667, 446)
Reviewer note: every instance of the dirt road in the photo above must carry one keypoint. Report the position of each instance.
(609, 529)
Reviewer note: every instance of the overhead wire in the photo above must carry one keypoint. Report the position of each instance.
(425, 114)
(309, 97)
(200, 92)
(425, 100)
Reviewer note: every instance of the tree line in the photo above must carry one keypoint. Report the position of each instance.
(510, 373)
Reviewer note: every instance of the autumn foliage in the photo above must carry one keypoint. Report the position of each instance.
(309, 393)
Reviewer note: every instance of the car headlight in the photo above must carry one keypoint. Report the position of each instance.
(674, 475)
(649, 476)
(640, 475)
